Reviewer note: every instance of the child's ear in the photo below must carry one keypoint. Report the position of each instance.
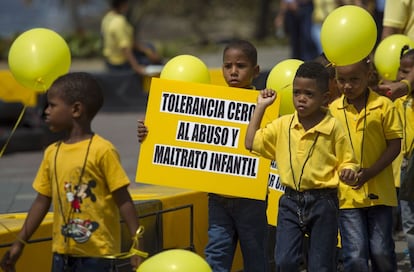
(326, 97)
(256, 71)
(77, 109)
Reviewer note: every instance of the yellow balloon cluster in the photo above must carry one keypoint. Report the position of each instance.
(280, 79)
(387, 55)
(37, 57)
(186, 68)
(175, 260)
(348, 35)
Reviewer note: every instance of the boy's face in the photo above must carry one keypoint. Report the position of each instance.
(238, 71)
(307, 99)
(58, 114)
(352, 79)
(406, 64)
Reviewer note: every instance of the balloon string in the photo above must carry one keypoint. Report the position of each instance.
(287, 85)
(17, 238)
(133, 250)
(271, 118)
(13, 131)
(40, 82)
(124, 255)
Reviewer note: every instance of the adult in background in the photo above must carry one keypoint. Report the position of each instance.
(398, 19)
(120, 49)
(296, 17)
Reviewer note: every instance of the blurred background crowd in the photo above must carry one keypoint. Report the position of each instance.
(178, 25)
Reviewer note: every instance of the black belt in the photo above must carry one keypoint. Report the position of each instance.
(313, 192)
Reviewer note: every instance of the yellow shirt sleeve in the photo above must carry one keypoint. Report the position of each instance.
(399, 14)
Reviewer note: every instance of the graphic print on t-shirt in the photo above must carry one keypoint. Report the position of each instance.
(76, 228)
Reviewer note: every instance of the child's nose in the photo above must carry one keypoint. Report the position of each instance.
(234, 70)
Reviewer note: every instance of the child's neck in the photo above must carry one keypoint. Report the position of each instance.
(359, 102)
(78, 134)
(311, 121)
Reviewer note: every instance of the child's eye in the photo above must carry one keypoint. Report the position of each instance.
(355, 80)
(309, 94)
(352, 81)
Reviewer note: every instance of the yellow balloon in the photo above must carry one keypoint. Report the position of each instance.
(387, 55)
(280, 79)
(37, 57)
(348, 35)
(175, 260)
(186, 68)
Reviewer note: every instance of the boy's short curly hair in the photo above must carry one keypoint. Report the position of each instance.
(317, 71)
(80, 87)
(246, 47)
(117, 3)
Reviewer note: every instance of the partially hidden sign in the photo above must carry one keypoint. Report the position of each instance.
(196, 139)
(276, 190)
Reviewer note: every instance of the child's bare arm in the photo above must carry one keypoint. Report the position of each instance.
(265, 99)
(129, 214)
(35, 216)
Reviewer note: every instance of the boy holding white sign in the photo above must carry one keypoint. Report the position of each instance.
(320, 154)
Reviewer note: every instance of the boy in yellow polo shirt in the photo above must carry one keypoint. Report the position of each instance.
(313, 153)
(405, 108)
(374, 127)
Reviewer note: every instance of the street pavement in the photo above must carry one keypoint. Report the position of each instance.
(17, 170)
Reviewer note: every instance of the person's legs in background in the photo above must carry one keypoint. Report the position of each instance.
(222, 239)
(407, 215)
(251, 223)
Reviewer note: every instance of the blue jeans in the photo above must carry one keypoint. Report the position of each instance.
(407, 216)
(366, 234)
(237, 219)
(312, 212)
(67, 263)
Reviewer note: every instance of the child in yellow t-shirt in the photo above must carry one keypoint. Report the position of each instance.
(375, 130)
(313, 153)
(405, 107)
(82, 177)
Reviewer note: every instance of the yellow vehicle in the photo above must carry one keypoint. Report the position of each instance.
(172, 218)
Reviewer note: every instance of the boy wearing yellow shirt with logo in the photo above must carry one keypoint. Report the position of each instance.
(313, 153)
